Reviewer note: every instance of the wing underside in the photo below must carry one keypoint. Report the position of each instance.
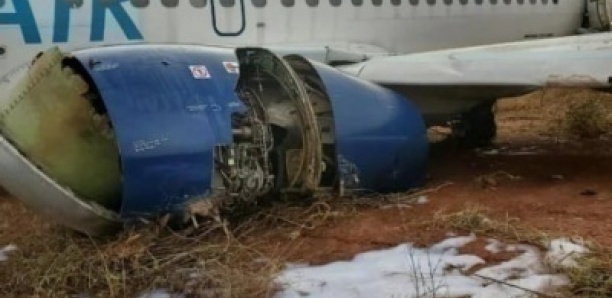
(451, 81)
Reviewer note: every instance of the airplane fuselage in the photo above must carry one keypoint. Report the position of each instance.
(371, 26)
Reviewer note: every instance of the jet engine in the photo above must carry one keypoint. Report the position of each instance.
(97, 137)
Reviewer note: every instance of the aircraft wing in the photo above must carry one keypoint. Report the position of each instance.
(470, 75)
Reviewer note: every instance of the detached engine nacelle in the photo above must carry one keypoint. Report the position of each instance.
(105, 135)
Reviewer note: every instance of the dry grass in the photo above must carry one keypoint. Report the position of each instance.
(571, 113)
(214, 260)
(591, 279)
(474, 219)
(211, 261)
(587, 120)
(204, 264)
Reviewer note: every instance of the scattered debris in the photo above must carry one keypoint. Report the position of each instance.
(5, 251)
(588, 193)
(523, 151)
(422, 200)
(437, 134)
(492, 180)
(557, 177)
(490, 152)
(398, 206)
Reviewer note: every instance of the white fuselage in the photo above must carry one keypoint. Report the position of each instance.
(396, 27)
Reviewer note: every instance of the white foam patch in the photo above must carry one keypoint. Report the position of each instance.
(406, 271)
(4, 252)
(563, 252)
(494, 246)
(525, 265)
(454, 243)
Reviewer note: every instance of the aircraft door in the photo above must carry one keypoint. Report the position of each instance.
(228, 17)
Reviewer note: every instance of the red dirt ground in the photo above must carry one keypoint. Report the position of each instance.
(537, 200)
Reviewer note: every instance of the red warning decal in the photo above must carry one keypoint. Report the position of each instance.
(231, 67)
(199, 72)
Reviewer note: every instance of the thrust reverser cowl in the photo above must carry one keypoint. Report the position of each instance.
(124, 132)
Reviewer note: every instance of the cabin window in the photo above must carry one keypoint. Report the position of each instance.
(170, 3)
(259, 3)
(463, 2)
(377, 2)
(448, 2)
(140, 3)
(520, 2)
(494, 2)
(2, 2)
(198, 3)
(414, 2)
(357, 2)
(479, 2)
(288, 3)
(335, 3)
(508, 2)
(431, 2)
(227, 3)
(312, 3)
(545, 2)
(396, 2)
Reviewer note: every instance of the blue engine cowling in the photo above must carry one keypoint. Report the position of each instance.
(169, 107)
(381, 139)
(199, 124)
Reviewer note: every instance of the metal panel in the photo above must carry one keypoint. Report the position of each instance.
(381, 138)
(169, 106)
(25, 181)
